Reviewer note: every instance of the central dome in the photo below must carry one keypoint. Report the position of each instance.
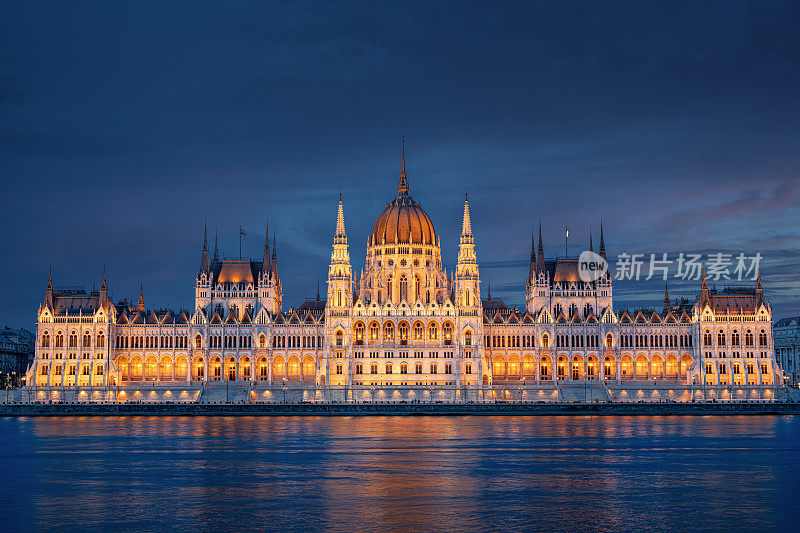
(403, 221)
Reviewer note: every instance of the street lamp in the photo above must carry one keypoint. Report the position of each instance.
(284, 390)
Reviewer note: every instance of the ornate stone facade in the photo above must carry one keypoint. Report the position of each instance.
(404, 325)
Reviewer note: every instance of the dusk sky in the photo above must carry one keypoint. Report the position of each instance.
(124, 126)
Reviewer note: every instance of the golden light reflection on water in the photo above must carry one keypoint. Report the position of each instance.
(401, 473)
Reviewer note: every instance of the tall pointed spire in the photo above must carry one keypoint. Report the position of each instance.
(204, 266)
(602, 242)
(141, 299)
(704, 285)
(50, 280)
(591, 249)
(48, 292)
(666, 298)
(104, 286)
(265, 266)
(758, 281)
(216, 248)
(340, 236)
(402, 183)
(274, 247)
(466, 224)
(540, 252)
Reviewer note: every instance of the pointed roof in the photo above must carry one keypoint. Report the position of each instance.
(141, 299)
(341, 235)
(590, 240)
(402, 182)
(216, 249)
(540, 265)
(602, 249)
(204, 266)
(466, 225)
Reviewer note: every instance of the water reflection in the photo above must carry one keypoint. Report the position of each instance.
(400, 473)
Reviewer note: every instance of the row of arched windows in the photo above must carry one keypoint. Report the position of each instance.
(152, 341)
(100, 340)
(420, 333)
(433, 368)
(722, 338)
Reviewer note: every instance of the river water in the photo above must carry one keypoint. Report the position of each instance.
(400, 473)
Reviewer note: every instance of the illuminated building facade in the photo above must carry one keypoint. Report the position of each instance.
(405, 326)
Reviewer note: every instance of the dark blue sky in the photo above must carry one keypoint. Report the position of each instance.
(124, 125)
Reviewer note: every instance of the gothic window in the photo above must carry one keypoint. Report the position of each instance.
(359, 333)
(433, 368)
(359, 368)
(59, 340)
(403, 368)
(433, 331)
(735, 338)
(46, 340)
(101, 340)
(73, 340)
(373, 368)
(468, 368)
(373, 330)
(448, 332)
(762, 338)
(707, 338)
(403, 332)
(748, 338)
(388, 332)
(403, 288)
(339, 338)
(379, 296)
(448, 368)
(721, 338)
(198, 341)
(545, 341)
(418, 368)
(419, 331)
(417, 290)
(468, 338)
(389, 288)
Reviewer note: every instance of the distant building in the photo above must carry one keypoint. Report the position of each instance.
(16, 354)
(787, 347)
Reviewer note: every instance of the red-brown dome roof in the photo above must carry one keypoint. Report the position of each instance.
(403, 221)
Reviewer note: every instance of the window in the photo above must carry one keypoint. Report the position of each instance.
(433, 368)
(707, 338)
(73, 340)
(359, 333)
(403, 368)
(388, 368)
(748, 338)
(359, 368)
(46, 340)
(60, 340)
(468, 338)
(388, 332)
(417, 290)
(339, 368)
(373, 330)
(419, 331)
(721, 338)
(262, 341)
(762, 338)
(448, 368)
(403, 288)
(433, 331)
(468, 368)
(545, 341)
(339, 338)
(418, 368)
(389, 288)
(198, 341)
(403, 332)
(373, 368)
(447, 332)
(735, 338)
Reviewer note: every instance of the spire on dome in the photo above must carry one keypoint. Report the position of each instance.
(402, 183)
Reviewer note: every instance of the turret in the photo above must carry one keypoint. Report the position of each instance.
(204, 263)
(48, 291)
(340, 287)
(467, 275)
(104, 290)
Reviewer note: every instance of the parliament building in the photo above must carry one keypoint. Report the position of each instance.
(404, 330)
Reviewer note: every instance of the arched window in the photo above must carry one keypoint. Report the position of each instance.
(359, 333)
(468, 368)
(262, 341)
(417, 289)
(359, 368)
(433, 331)
(388, 332)
(721, 338)
(609, 340)
(403, 288)
(433, 368)
(101, 340)
(374, 330)
(419, 331)
(59, 340)
(707, 338)
(545, 341)
(735, 338)
(198, 341)
(748, 338)
(339, 338)
(389, 289)
(403, 332)
(373, 368)
(418, 368)
(388, 368)
(468, 338)
(46, 340)
(447, 333)
(762, 338)
(403, 368)
(73, 340)
(87, 339)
